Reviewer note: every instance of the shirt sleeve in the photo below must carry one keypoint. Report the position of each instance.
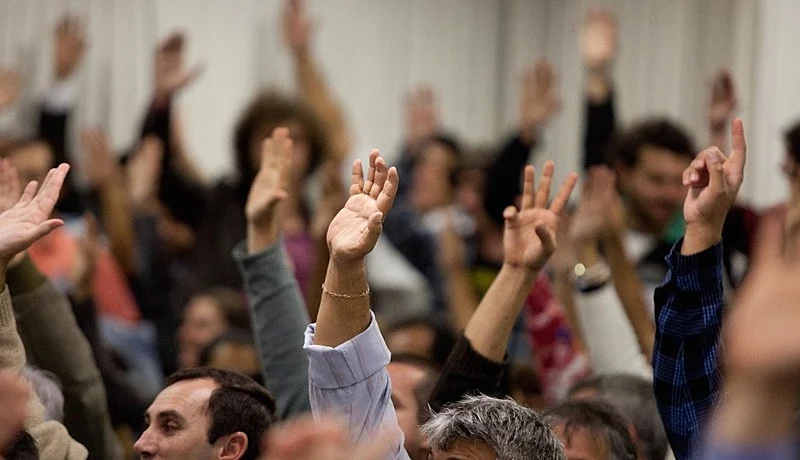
(351, 381)
(786, 450)
(279, 317)
(689, 309)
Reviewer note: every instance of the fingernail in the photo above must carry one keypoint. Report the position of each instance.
(713, 159)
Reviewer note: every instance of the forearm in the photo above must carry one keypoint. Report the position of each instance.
(461, 299)
(117, 218)
(599, 129)
(490, 327)
(629, 290)
(279, 319)
(342, 318)
(316, 92)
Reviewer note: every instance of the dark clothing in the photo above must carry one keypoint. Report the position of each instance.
(53, 127)
(467, 372)
(504, 178)
(600, 127)
(687, 379)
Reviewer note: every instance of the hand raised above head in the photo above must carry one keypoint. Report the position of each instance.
(70, 44)
(599, 39)
(529, 236)
(297, 26)
(170, 74)
(354, 231)
(713, 180)
(539, 98)
(599, 210)
(269, 188)
(29, 219)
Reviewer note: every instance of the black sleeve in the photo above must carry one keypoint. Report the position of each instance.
(504, 176)
(53, 131)
(600, 126)
(184, 198)
(466, 372)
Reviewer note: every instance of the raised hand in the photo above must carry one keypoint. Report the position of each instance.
(354, 231)
(297, 26)
(143, 172)
(539, 99)
(99, 165)
(170, 74)
(85, 264)
(529, 238)
(70, 45)
(422, 115)
(599, 39)
(9, 88)
(723, 101)
(269, 188)
(714, 182)
(599, 210)
(29, 219)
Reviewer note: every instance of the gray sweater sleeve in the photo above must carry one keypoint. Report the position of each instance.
(279, 319)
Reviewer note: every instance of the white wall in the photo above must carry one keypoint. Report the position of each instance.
(472, 51)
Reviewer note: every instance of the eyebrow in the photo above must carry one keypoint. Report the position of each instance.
(166, 414)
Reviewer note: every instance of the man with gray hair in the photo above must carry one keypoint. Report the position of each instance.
(482, 427)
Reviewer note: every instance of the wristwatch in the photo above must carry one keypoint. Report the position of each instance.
(592, 278)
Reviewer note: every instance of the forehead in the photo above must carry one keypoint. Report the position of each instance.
(582, 444)
(188, 398)
(658, 158)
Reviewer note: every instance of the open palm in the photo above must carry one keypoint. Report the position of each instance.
(354, 231)
(529, 236)
(29, 219)
(272, 181)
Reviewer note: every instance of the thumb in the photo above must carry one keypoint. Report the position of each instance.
(510, 215)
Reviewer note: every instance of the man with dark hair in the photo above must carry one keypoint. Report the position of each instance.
(632, 396)
(218, 414)
(591, 429)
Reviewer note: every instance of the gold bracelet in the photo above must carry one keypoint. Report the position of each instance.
(344, 296)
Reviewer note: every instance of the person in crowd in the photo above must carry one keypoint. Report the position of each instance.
(633, 398)
(207, 413)
(424, 337)
(208, 315)
(690, 302)
(483, 428)
(591, 429)
(234, 350)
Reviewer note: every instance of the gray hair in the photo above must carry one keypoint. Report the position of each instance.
(600, 421)
(633, 397)
(514, 432)
(47, 388)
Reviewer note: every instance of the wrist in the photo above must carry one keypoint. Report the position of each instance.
(519, 272)
(260, 238)
(698, 238)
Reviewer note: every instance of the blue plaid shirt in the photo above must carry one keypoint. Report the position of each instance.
(687, 380)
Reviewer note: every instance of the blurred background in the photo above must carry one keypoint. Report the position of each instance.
(472, 52)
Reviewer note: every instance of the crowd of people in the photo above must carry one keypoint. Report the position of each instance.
(458, 305)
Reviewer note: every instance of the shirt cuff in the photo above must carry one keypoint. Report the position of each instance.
(61, 96)
(693, 272)
(349, 363)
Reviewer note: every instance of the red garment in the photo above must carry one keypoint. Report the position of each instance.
(558, 364)
(55, 256)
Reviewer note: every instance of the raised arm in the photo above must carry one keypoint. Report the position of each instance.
(347, 354)
(599, 42)
(20, 225)
(276, 306)
(689, 305)
(613, 319)
(297, 31)
(528, 242)
(721, 106)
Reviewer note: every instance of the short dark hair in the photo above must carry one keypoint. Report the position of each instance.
(633, 398)
(239, 404)
(231, 305)
(449, 142)
(600, 420)
(626, 149)
(233, 336)
(267, 111)
(792, 138)
(24, 447)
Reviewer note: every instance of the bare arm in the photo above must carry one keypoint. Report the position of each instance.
(528, 241)
(297, 33)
